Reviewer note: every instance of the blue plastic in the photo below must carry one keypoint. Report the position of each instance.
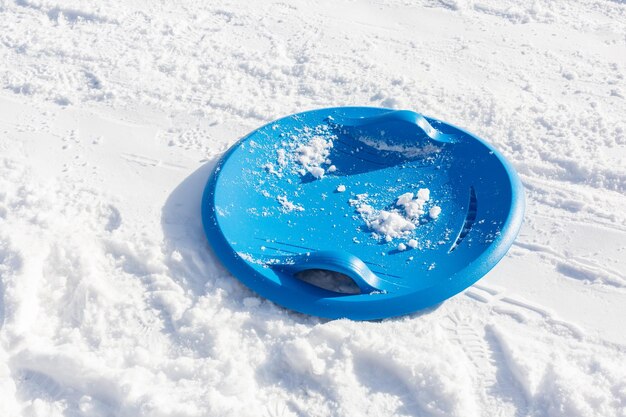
(382, 153)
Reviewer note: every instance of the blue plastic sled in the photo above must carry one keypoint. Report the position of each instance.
(322, 190)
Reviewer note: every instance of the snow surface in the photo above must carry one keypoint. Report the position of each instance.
(112, 115)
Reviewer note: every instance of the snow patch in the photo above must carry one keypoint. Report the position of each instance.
(313, 154)
(406, 150)
(394, 223)
(434, 212)
(288, 206)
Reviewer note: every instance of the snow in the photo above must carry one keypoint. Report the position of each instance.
(410, 151)
(389, 224)
(413, 207)
(313, 153)
(395, 223)
(423, 194)
(434, 212)
(282, 158)
(287, 205)
(306, 153)
(113, 114)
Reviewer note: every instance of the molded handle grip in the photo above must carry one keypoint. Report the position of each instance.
(337, 261)
(396, 124)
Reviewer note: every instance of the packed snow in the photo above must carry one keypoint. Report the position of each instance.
(313, 154)
(307, 153)
(409, 151)
(113, 114)
(434, 212)
(414, 207)
(396, 222)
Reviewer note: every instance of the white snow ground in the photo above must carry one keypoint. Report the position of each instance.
(112, 114)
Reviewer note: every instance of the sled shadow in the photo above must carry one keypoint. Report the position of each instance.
(191, 262)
